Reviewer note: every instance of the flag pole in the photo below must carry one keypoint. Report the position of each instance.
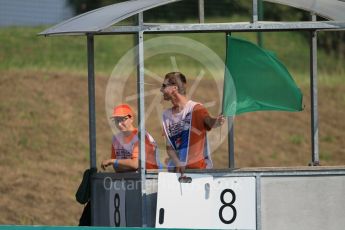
(230, 119)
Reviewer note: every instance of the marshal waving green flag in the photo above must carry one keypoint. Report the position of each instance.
(256, 80)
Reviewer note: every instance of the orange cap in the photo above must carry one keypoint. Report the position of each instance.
(122, 110)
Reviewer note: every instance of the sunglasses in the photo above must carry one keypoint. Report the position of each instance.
(121, 119)
(165, 85)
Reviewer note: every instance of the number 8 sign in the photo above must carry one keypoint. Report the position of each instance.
(117, 204)
(230, 204)
(223, 203)
(235, 201)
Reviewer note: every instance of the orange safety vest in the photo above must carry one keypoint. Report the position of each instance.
(124, 150)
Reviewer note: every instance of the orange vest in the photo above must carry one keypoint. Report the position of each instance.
(123, 149)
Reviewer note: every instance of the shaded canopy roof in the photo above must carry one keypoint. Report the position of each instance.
(102, 18)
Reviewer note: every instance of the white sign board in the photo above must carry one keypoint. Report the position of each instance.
(117, 204)
(206, 202)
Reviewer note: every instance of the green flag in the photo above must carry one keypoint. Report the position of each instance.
(256, 80)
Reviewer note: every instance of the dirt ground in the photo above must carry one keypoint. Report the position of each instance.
(44, 138)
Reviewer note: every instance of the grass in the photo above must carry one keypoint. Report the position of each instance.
(327, 138)
(325, 156)
(296, 139)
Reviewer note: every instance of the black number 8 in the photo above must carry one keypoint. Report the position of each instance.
(117, 216)
(225, 204)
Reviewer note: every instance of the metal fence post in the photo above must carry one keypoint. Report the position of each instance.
(92, 113)
(260, 18)
(231, 147)
(255, 11)
(141, 118)
(201, 11)
(91, 92)
(313, 95)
